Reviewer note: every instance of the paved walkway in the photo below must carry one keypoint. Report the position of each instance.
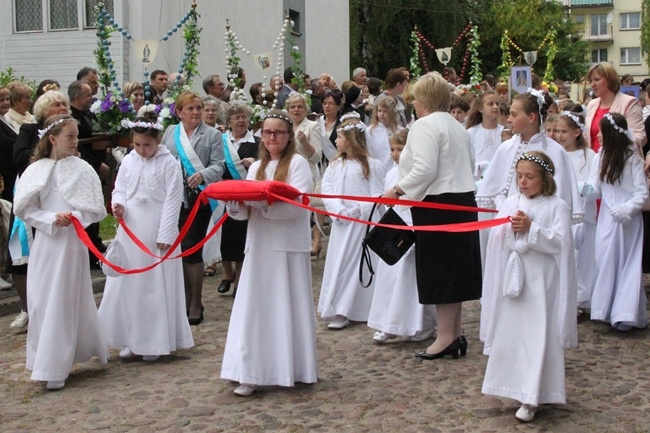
(363, 387)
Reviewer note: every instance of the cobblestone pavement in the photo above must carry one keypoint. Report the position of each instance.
(362, 387)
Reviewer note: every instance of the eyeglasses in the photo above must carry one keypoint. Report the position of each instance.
(239, 117)
(279, 134)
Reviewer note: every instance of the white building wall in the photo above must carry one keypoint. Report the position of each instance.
(59, 55)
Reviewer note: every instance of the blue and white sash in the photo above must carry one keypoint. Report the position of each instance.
(233, 162)
(188, 157)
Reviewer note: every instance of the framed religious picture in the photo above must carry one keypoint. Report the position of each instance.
(521, 78)
(631, 90)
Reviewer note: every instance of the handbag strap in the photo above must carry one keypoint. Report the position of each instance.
(365, 253)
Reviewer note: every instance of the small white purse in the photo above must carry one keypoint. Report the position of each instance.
(116, 254)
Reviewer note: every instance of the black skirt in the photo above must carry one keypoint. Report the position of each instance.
(196, 233)
(233, 240)
(447, 265)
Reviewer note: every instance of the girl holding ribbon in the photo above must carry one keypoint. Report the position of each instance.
(144, 313)
(63, 326)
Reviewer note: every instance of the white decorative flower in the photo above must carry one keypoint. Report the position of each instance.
(165, 112)
(96, 107)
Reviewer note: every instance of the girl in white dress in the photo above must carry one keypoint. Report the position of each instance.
(383, 125)
(617, 177)
(63, 326)
(352, 172)
(395, 309)
(272, 332)
(484, 130)
(529, 300)
(569, 128)
(145, 313)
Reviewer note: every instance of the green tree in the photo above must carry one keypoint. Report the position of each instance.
(645, 30)
(380, 31)
(527, 22)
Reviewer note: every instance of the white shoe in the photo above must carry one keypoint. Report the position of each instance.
(20, 321)
(339, 322)
(526, 413)
(53, 385)
(5, 285)
(383, 337)
(150, 358)
(621, 326)
(245, 390)
(423, 335)
(126, 353)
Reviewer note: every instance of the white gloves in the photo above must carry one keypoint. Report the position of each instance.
(353, 212)
(232, 207)
(619, 215)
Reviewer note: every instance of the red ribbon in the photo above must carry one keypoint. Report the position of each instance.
(451, 228)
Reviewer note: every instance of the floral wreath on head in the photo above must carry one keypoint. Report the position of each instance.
(537, 160)
(350, 115)
(575, 118)
(357, 125)
(43, 132)
(617, 128)
(127, 124)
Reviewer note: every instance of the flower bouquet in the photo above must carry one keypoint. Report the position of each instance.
(109, 113)
(167, 112)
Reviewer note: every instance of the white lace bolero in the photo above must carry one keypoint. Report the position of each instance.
(162, 181)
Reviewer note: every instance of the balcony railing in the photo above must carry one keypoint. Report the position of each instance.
(598, 38)
(591, 3)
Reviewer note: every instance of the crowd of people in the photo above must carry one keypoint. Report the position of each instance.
(569, 175)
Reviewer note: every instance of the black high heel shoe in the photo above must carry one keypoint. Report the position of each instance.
(452, 350)
(462, 345)
(194, 322)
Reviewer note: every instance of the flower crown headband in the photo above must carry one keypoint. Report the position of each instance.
(360, 126)
(127, 124)
(350, 115)
(537, 160)
(625, 132)
(43, 132)
(575, 118)
(279, 116)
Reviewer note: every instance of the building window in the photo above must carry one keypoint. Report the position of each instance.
(598, 25)
(630, 56)
(580, 19)
(89, 8)
(29, 15)
(295, 17)
(631, 21)
(599, 55)
(63, 15)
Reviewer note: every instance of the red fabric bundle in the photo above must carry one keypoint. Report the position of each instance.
(249, 190)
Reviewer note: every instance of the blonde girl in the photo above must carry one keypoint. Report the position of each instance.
(484, 129)
(352, 172)
(396, 310)
(63, 326)
(383, 125)
(569, 129)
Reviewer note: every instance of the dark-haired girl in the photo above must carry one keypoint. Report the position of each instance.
(144, 313)
(63, 326)
(617, 178)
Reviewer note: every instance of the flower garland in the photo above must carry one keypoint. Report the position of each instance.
(475, 76)
(551, 52)
(416, 71)
(506, 58)
(232, 64)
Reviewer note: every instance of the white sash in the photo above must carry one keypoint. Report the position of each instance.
(189, 153)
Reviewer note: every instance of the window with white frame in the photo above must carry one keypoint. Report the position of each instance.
(598, 25)
(45, 15)
(599, 55)
(631, 56)
(64, 15)
(29, 15)
(631, 21)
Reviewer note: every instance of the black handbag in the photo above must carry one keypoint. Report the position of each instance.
(389, 244)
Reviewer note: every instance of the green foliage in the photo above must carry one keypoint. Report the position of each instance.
(380, 32)
(528, 22)
(645, 30)
(9, 75)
